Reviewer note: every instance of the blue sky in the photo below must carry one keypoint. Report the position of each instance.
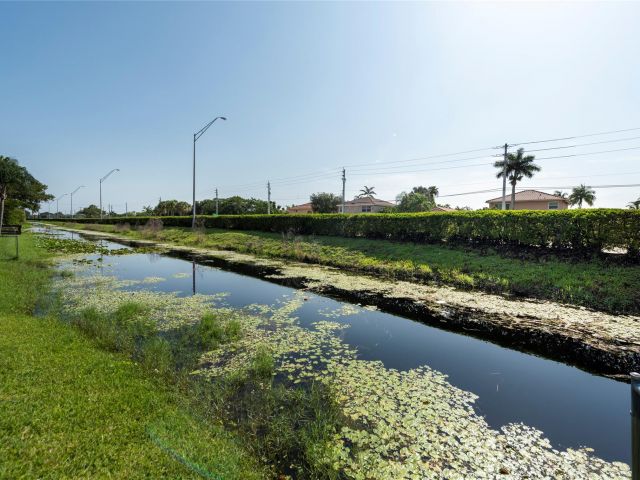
(310, 87)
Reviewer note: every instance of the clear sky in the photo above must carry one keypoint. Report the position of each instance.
(310, 87)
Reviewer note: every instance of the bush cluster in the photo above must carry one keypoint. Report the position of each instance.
(589, 229)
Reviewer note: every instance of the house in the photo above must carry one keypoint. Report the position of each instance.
(366, 205)
(532, 200)
(357, 205)
(439, 208)
(304, 208)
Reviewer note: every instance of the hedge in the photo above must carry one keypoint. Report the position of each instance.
(589, 229)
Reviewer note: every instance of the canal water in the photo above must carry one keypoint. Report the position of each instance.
(572, 407)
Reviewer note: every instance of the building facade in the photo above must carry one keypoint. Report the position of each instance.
(532, 200)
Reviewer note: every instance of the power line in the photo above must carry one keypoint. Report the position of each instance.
(424, 158)
(428, 163)
(574, 137)
(388, 172)
(535, 187)
(583, 144)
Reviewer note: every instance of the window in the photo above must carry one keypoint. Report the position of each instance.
(366, 208)
(553, 205)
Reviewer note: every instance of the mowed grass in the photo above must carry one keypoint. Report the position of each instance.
(70, 410)
(602, 283)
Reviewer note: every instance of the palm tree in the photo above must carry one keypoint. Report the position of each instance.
(561, 194)
(367, 192)
(432, 192)
(519, 166)
(582, 194)
(634, 205)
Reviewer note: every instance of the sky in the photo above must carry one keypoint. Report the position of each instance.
(310, 88)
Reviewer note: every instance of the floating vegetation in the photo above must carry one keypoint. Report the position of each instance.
(69, 246)
(149, 280)
(394, 424)
(181, 275)
(345, 310)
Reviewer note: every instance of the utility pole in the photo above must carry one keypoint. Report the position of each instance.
(126, 209)
(268, 198)
(216, 202)
(344, 181)
(504, 179)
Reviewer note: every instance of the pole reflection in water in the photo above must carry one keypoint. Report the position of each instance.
(193, 269)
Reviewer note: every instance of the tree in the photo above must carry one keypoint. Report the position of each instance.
(17, 184)
(235, 205)
(519, 166)
(432, 192)
(92, 211)
(172, 208)
(414, 202)
(582, 194)
(561, 194)
(367, 192)
(635, 205)
(325, 202)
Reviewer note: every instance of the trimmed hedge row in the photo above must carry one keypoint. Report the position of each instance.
(591, 229)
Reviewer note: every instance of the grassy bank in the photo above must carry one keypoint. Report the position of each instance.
(602, 283)
(69, 409)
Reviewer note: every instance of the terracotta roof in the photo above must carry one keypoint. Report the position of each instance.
(529, 196)
(368, 201)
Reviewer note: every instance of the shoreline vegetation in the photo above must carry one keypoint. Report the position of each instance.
(247, 383)
(607, 283)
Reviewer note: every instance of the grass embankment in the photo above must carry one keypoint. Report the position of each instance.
(602, 283)
(71, 410)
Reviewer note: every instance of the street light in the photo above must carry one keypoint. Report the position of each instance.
(102, 180)
(71, 212)
(58, 203)
(196, 136)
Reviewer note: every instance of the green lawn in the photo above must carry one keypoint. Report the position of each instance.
(70, 410)
(598, 283)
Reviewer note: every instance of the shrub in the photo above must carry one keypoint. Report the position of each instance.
(588, 229)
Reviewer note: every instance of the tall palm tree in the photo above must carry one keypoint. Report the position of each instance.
(635, 205)
(367, 192)
(519, 166)
(582, 194)
(561, 194)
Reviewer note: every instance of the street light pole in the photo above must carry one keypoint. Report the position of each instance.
(58, 203)
(71, 212)
(102, 180)
(196, 136)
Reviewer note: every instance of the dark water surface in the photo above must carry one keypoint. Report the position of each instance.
(572, 407)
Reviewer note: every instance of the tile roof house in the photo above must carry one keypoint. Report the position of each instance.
(366, 205)
(357, 205)
(304, 208)
(532, 200)
(439, 208)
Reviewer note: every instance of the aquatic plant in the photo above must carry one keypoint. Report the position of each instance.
(260, 368)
